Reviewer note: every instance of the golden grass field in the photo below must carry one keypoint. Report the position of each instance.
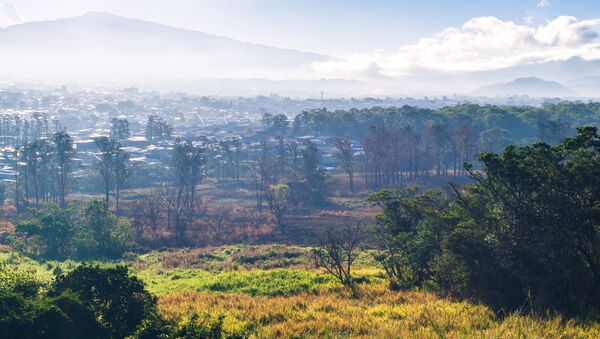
(273, 291)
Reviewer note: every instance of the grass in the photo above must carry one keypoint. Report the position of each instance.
(256, 282)
(273, 291)
(378, 312)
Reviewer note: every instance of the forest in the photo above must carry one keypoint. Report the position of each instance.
(467, 220)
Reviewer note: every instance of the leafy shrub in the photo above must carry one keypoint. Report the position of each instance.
(118, 300)
(91, 231)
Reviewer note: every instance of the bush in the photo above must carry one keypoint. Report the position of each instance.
(118, 300)
(91, 231)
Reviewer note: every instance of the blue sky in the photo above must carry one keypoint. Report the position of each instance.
(335, 27)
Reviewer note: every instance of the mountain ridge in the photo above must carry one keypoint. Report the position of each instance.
(530, 86)
(104, 44)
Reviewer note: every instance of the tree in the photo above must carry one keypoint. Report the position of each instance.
(338, 252)
(531, 226)
(147, 215)
(121, 171)
(345, 157)
(51, 231)
(108, 151)
(61, 316)
(263, 172)
(64, 155)
(188, 163)
(315, 179)
(276, 124)
(118, 300)
(88, 231)
(119, 129)
(410, 232)
(279, 203)
(102, 234)
(158, 129)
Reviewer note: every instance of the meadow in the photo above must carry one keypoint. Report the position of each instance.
(274, 290)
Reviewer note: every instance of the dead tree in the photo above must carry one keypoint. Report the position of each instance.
(338, 252)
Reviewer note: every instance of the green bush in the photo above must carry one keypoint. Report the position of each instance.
(89, 231)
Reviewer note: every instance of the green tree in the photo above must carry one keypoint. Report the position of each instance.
(316, 180)
(531, 226)
(101, 233)
(118, 300)
(410, 231)
(50, 231)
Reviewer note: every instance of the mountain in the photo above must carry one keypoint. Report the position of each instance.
(108, 46)
(9, 15)
(532, 86)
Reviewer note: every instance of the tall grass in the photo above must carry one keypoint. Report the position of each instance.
(377, 313)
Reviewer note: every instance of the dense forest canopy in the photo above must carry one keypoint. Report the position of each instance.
(520, 125)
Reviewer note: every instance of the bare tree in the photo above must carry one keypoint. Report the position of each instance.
(220, 217)
(338, 252)
(345, 157)
(279, 203)
(147, 215)
(188, 161)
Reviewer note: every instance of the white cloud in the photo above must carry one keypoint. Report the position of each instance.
(482, 43)
(543, 3)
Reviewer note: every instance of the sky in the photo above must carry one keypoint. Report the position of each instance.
(333, 27)
(423, 44)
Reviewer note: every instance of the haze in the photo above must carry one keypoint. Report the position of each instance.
(376, 48)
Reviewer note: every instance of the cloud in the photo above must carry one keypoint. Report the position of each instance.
(481, 44)
(9, 15)
(543, 3)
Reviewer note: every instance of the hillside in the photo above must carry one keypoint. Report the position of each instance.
(106, 45)
(532, 86)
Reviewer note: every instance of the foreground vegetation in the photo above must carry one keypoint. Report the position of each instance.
(252, 291)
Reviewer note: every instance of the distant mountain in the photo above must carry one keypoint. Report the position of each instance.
(9, 15)
(532, 86)
(106, 45)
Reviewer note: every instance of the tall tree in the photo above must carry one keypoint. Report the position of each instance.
(64, 155)
(108, 152)
(119, 129)
(188, 163)
(345, 158)
(121, 171)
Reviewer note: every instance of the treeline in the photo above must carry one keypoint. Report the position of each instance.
(400, 143)
(519, 125)
(524, 236)
(16, 129)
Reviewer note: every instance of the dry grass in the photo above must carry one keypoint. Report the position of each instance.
(295, 300)
(378, 312)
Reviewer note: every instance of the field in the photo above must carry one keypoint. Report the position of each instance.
(275, 291)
